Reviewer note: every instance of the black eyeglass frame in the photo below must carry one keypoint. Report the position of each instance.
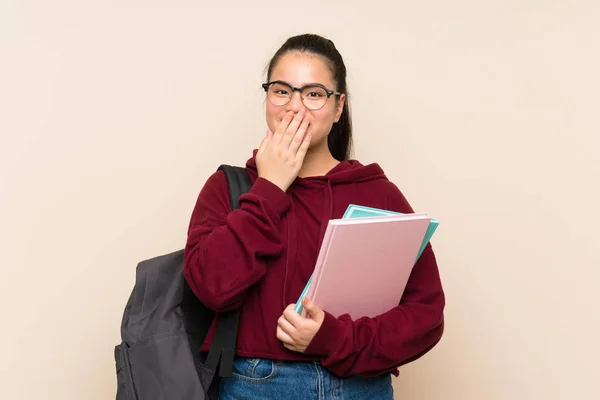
(300, 89)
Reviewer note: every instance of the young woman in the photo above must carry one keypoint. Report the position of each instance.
(260, 256)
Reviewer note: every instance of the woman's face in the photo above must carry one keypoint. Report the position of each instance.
(299, 69)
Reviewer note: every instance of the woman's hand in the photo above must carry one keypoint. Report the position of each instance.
(295, 331)
(281, 154)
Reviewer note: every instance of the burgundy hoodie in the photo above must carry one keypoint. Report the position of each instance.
(260, 257)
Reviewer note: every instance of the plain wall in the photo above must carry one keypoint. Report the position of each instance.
(113, 114)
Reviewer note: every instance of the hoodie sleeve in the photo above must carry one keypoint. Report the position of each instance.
(372, 346)
(227, 251)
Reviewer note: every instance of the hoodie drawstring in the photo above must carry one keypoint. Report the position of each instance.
(327, 210)
(292, 234)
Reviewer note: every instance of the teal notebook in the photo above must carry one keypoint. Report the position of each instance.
(355, 211)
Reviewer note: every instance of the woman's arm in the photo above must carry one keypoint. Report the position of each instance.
(371, 346)
(227, 251)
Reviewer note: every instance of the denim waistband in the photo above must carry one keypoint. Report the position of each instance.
(257, 378)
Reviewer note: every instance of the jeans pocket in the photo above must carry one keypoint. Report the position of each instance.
(257, 370)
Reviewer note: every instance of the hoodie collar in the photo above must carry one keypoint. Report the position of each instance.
(349, 171)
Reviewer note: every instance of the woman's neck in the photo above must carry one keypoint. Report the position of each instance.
(317, 162)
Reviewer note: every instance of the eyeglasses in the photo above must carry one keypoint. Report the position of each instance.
(314, 96)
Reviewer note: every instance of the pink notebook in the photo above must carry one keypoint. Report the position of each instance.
(364, 263)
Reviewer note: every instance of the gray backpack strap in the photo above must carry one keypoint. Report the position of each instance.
(239, 183)
(223, 345)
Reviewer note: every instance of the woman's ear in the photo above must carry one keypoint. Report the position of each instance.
(339, 107)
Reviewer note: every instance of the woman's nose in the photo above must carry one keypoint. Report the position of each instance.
(295, 103)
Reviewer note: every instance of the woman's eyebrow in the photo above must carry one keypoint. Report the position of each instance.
(299, 86)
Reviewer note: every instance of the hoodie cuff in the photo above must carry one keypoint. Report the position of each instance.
(330, 332)
(276, 197)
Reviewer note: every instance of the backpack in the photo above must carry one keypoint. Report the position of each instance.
(164, 324)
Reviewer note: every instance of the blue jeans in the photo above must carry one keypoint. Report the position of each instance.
(259, 379)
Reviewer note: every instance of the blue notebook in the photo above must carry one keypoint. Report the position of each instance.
(356, 211)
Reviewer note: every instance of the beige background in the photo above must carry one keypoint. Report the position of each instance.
(485, 113)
